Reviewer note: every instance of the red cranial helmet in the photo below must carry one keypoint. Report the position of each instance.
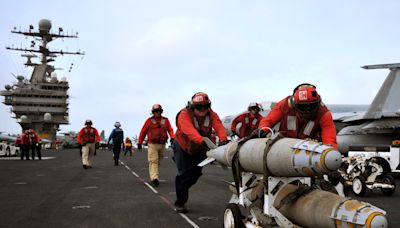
(305, 99)
(200, 103)
(201, 98)
(156, 109)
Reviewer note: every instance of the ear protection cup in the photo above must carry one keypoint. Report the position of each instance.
(291, 100)
(190, 105)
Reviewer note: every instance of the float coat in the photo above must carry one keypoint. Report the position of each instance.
(287, 157)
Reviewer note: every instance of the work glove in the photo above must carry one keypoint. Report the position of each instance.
(97, 145)
(258, 133)
(139, 147)
(221, 143)
(171, 141)
(233, 133)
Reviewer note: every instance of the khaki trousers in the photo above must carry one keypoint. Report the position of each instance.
(87, 153)
(154, 154)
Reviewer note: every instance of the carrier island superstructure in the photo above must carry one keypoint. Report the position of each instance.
(41, 102)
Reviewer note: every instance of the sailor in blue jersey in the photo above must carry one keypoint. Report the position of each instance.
(117, 137)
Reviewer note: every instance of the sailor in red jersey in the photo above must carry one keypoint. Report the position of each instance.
(249, 121)
(156, 129)
(194, 122)
(88, 138)
(302, 115)
(26, 143)
(34, 140)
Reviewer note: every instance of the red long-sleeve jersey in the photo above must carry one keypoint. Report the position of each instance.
(189, 137)
(156, 129)
(249, 123)
(327, 130)
(85, 135)
(29, 138)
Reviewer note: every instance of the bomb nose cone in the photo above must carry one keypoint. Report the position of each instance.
(332, 160)
(378, 221)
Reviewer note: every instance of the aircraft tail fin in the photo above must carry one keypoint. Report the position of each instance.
(386, 103)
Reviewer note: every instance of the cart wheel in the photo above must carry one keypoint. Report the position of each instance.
(359, 186)
(388, 179)
(232, 216)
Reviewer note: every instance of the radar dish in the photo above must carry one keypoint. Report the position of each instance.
(45, 24)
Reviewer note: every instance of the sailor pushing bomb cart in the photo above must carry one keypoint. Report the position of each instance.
(273, 186)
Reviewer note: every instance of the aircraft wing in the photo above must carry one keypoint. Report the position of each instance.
(7, 138)
(382, 125)
(347, 116)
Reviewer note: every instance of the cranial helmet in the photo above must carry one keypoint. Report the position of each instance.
(117, 124)
(88, 122)
(200, 98)
(156, 109)
(254, 105)
(200, 101)
(305, 99)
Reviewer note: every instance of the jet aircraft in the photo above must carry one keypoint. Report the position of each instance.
(379, 126)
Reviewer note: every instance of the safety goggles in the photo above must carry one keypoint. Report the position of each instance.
(159, 111)
(307, 108)
(255, 108)
(202, 106)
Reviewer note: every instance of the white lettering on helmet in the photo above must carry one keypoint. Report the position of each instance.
(198, 99)
(303, 95)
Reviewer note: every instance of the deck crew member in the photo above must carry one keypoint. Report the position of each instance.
(117, 137)
(157, 128)
(302, 115)
(194, 122)
(249, 121)
(88, 138)
(128, 146)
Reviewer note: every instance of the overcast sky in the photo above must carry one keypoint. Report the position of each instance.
(139, 53)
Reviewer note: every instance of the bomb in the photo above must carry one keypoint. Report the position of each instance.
(320, 208)
(286, 157)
